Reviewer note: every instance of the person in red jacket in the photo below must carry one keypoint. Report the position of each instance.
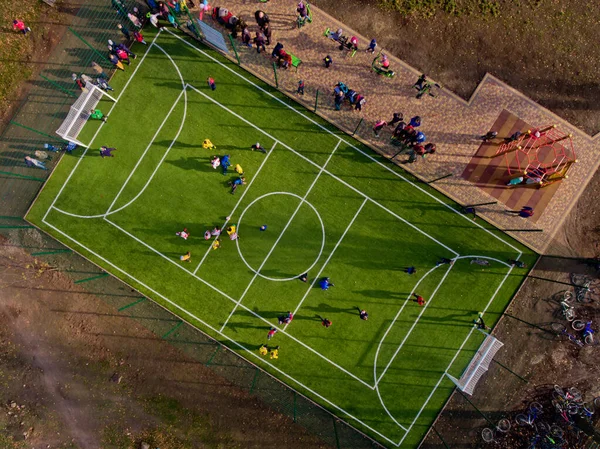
(419, 299)
(19, 25)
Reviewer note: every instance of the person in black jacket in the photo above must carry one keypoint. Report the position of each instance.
(261, 18)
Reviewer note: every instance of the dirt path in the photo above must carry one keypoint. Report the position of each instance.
(82, 375)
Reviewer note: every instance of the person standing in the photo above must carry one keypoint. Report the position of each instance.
(325, 283)
(96, 114)
(257, 146)
(525, 212)
(363, 314)
(20, 25)
(271, 333)
(259, 41)
(262, 18)
(328, 61)
(32, 162)
(325, 322)
(410, 270)
(419, 299)
(300, 90)
(267, 33)
(107, 152)
(99, 71)
(379, 124)
(125, 31)
(397, 118)
(187, 257)
(211, 83)
(372, 46)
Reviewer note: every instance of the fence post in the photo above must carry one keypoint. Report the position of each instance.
(213, 356)
(86, 43)
(235, 50)
(275, 72)
(337, 438)
(58, 86)
(356, 129)
(254, 380)
(295, 399)
(316, 100)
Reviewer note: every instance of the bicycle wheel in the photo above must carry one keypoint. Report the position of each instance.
(556, 431)
(575, 395)
(535, 408)
(588, 408)
(579, 279)
(559, 328)
(487, 435)
(503, 425)
(569, 314)
(589, 339)
(596, 403)
(558, 405)
(522, 420)
(566, 296)
(578, 325)
(573, 409)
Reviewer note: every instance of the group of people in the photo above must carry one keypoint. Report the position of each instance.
(341, 93)
(406, 136)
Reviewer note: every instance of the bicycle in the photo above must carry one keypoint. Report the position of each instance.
(489, 435)
(586, 327)
(567, 311)
(582, 285)
(561, 329)
(533, 412)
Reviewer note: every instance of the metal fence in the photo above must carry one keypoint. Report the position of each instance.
(34, 123)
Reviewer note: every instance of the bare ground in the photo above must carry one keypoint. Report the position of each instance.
(82, 376)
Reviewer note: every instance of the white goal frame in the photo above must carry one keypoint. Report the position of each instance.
(479, 364)
(80, 113)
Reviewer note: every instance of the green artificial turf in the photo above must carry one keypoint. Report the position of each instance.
(347, 214)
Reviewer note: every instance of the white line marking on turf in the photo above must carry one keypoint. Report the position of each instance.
(183, 92)
(239, 201)
(325, 171)
(349, 144)
(308, 290)
(461, 346)
(275, 368)
(377, 380)
(100, 127)
(322, 239)
(280, 236)
(247, 309)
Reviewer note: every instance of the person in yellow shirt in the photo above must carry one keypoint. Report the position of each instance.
(263, 350)
(207, 144)
(231, 229)
(216, 244)
(239, 169)
(275, 353)
(187, 257)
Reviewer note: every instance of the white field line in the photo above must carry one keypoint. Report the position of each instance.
(99, 128)
(109, 212)
(308, 290)
(347, 143)
(423, 309)
(300, 204)
(239, 201)
(184, 87)
(249, 123)
(177, 306)
(462, 345)
(247, 309)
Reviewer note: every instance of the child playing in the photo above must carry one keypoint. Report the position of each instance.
(183, 234)
(187, 257)
(211, 83)
(215, 162)
(207, 144)
(19, 25)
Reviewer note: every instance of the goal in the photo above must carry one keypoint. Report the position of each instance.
(479, 364)
(80, 113)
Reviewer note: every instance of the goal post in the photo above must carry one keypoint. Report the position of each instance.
(79, 113)
(479, 364)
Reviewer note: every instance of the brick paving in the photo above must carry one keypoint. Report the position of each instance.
(447, 120)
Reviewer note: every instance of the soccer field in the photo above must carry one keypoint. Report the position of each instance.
(332, 208)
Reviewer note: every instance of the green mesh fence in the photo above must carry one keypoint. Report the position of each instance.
(34, 123)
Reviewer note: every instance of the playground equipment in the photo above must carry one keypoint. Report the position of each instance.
(380, 65)
(543, 156)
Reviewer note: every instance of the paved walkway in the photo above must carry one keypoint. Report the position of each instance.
(450, 122)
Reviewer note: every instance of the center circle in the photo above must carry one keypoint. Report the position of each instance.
(257, 270)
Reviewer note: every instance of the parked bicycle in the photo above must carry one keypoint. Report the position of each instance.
(583, 287)
(489, 435)
(586, 329)
(567, 311)
(528, 419)
(561, 329)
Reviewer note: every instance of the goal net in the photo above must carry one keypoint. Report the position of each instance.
(80, 113)
(479, 364)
